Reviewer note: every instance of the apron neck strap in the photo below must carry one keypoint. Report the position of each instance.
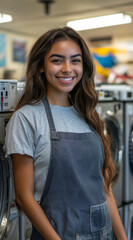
(49, 115)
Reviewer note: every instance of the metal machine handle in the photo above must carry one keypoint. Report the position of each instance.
(21, 226)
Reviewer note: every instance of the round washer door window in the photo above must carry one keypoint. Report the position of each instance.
(113, 129)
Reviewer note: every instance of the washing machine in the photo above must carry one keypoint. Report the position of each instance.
(111, 112)
(13, 226)
(8, 210)
(128, 166)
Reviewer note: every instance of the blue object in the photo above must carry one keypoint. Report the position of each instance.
(107, 61)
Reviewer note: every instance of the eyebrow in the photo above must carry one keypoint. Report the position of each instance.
(61, 56)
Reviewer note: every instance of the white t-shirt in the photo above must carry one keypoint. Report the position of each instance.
(28, 133)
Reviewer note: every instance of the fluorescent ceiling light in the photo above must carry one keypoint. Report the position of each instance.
(100, 22)
(5, 18)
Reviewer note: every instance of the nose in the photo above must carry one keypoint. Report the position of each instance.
(66, 67)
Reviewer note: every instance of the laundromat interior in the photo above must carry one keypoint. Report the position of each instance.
(112, 51)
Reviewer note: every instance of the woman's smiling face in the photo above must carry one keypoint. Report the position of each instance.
(63, 67)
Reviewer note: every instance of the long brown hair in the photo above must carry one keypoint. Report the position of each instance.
(83, 96)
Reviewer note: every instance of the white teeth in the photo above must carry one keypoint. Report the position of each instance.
(66, 79)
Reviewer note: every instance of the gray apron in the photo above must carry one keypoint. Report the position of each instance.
(73, 198)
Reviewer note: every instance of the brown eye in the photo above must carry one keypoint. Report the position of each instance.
(56, 60)
(76, 60)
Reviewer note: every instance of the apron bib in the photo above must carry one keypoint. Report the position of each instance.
(73, 198)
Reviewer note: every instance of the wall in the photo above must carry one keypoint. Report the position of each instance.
(124, 46)
(17, 69)
(113, 55)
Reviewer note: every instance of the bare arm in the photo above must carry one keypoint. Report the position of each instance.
(23, 180)
(115, 217)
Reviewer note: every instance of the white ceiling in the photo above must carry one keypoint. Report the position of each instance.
(29, 16)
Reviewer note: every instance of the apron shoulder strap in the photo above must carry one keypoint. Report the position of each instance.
(53, 133)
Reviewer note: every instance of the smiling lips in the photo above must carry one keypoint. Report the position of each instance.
(65, 79)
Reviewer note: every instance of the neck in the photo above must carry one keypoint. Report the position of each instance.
(60, 100)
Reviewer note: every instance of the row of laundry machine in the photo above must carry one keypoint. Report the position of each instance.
(115, 107)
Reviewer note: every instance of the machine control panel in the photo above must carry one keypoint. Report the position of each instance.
(8, 95)
(105, 95)
(115, 93)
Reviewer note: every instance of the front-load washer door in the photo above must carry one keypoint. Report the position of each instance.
(5, 193)
(113, 128)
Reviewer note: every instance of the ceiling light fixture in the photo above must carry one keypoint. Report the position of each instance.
(5, 18)
(47, 4)
(100, 22)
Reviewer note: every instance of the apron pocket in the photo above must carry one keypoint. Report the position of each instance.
(100, 224)
(91, 237)
(100, 218)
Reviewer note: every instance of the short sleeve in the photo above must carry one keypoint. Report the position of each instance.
(20, 135)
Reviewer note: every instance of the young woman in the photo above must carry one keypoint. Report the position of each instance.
(61, 158)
